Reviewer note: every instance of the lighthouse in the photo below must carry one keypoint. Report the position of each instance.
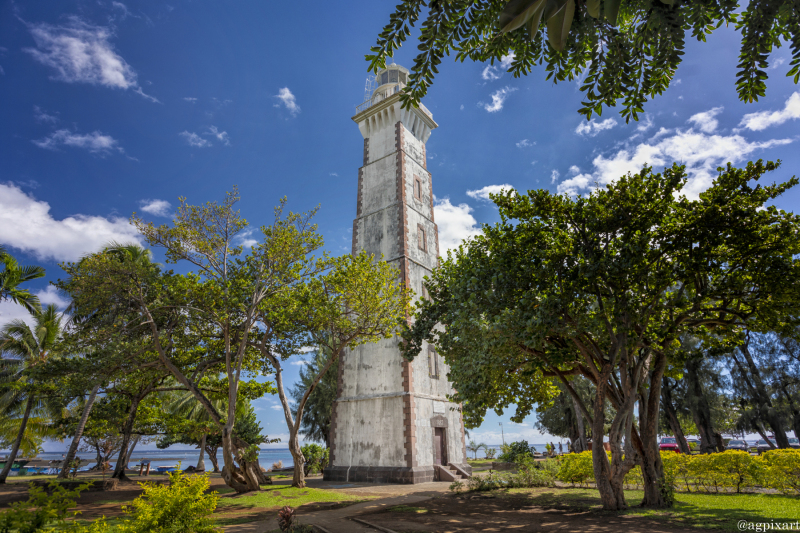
(392, 421)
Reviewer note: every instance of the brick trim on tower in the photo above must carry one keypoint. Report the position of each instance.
(366, 151)
(409, 408)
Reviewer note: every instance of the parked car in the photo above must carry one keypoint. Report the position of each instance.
(669, 444)
(794, 443)
(735, 444)
(762, 445)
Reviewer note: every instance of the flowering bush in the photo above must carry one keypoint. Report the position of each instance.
(781, 470)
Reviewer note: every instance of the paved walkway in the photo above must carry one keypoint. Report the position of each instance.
(337, 520)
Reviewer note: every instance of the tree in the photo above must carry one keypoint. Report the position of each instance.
(315, 423)
(604, 286)
(23, 348)
(563, 418)
(357, 301)
(12, 276)
(626, 50)
(475, 447)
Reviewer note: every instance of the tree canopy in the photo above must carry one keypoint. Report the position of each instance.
(604, 286)
(619, 50)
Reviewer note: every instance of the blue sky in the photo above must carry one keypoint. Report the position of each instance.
(116, 107)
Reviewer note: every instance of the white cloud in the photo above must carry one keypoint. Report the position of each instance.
(222, 136)
(705, 121)
(190, 99)
(26, 224)
(778, 62)
(764, 119)
(334, 174)
(10, 311)
(525, 143)
(462, 107)
(50, 295)
(498, 99)
(81, 53)
(483, 194)
(702, 153)
(646, 125)
(493, 72)
(194, 139)
(554, 176)
(299, 362)
(42, 116)
(159, 208)
(276, 407)
(96, 142)
(455, 223)
(593, 128)
(288, 100)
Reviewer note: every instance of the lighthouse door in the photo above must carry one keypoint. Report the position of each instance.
(439, 449)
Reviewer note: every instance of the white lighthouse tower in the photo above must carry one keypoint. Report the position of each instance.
(392, 420)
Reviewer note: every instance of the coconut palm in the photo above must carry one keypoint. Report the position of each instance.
(12, 275)
(475, 447)
(22, 347)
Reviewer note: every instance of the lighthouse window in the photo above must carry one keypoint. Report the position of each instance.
(392, 76)
(417, 188)
(384, 78)
(433, 362)
(421, 242)
(402, 77)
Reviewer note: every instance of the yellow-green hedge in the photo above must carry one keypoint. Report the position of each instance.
(733, 470)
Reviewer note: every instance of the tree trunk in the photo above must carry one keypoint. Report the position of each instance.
(201, 462)
(607, 479)
(212, 455)
(672, 418)
(698, 405)
(580, 444)
(18, 441)
(127, 430)
(73, 448)
(655, 488)
(130, 450)
(765, 404)
(299, 478)
(242, 477)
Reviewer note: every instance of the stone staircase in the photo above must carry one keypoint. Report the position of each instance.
(451, 473)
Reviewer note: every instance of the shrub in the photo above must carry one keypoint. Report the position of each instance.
(490, 453)
(183, 506)
(576, 468)
(515, 452)
(781, 470)
(41, 509)
(456, 486)
(530, 475)
(316, 458)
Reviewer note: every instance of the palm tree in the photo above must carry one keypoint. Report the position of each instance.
(22, 347)
(475, 447)
(12, 276)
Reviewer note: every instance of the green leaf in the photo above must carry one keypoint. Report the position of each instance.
(524, 9)
(535, 20)
(559, 24)
(611, 11)
(593, 7)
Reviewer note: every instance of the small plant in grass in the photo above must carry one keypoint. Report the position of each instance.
(490, 453)
(41, 510)
(456, 486)
(286, 518)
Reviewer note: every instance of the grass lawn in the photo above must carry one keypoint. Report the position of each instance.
(280, 495)
(710, 511)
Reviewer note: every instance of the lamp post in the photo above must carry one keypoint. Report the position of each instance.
(502, 434)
